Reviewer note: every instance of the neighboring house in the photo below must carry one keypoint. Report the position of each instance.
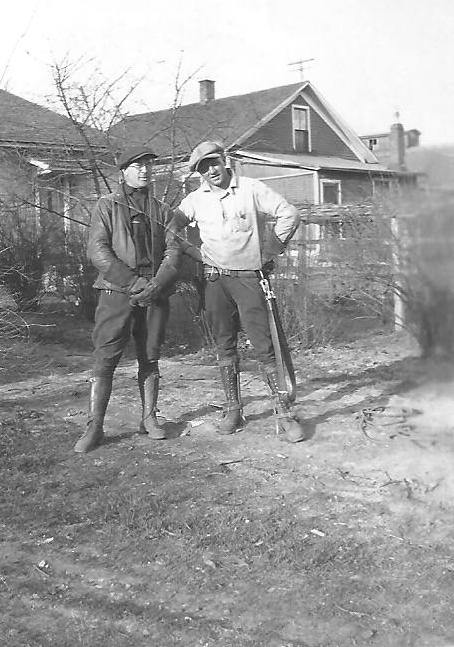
(287, 136)
(47, 187)
(401, 149)
(45, 162)
(391, 148)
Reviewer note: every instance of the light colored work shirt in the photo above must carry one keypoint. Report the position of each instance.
(232, 221)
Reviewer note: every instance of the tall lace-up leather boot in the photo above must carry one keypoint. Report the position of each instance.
(286, 421)
(149, 389)
(232, 419)
(100, 390)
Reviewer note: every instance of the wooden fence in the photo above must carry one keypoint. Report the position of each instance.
(339, 268)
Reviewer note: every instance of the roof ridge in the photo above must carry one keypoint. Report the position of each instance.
(231, 96)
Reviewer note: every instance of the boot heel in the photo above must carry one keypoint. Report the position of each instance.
(149, 425)
(286, 423)
(91, 439)
(100, 390)
(233, 419)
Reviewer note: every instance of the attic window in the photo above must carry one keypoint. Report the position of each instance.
(372, 143)
(301, 129)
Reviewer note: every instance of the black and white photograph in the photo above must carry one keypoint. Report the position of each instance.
(227, 323)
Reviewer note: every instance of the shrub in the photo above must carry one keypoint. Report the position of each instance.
(425, 277)
(21, 257)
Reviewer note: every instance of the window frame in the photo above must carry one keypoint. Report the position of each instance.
(295, 108)
(324, 182)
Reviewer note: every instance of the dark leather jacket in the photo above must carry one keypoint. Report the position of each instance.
(111, 248)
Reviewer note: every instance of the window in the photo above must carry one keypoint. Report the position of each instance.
(301, 129)
(372, 143)
(51, 200)
(331, 192)
(384, 185)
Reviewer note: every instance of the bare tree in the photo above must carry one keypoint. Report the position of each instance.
(93, 106)
(173, 127)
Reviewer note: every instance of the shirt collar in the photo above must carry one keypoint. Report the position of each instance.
(130, 190)
(232, 185)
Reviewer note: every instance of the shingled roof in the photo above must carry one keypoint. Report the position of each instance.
(227, 119)
(233, 120)
(25, 124)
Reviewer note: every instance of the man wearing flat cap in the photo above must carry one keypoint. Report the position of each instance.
(132, 246)
(231, 213)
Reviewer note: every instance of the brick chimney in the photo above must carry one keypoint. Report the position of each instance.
(397, 148)
(206, 91)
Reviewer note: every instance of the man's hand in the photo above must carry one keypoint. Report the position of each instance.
(191, 250)
(147, 295)
(138, 284)
(272, 248)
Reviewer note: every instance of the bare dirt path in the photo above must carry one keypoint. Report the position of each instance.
(346, 539)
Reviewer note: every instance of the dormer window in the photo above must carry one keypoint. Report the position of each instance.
(301, 129)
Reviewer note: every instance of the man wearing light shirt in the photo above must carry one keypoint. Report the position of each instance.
(231, 213)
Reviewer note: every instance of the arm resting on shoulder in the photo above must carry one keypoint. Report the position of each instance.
(180, 220)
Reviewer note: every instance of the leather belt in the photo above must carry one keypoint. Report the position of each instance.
(211, 272)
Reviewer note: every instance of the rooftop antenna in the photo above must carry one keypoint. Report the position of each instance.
(300, 65)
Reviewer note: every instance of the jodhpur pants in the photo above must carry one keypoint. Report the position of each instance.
(234, 302)
(115, 319)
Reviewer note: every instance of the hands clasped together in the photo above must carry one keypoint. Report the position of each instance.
(143, 291)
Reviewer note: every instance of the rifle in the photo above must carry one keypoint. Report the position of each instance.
(285, 369)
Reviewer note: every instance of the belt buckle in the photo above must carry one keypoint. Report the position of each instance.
(213, 274)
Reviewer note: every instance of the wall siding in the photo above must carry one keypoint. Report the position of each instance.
(295, 187)
(16, 176)
(277, 135)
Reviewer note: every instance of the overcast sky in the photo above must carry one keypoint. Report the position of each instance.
(372, 57)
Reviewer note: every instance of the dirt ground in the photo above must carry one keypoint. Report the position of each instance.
(240, 541)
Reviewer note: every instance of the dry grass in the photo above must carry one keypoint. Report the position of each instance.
(172, 544)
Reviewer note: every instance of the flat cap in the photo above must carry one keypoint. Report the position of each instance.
(133, 154)
(204, 150)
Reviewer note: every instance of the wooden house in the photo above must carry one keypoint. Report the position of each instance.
(288, 136)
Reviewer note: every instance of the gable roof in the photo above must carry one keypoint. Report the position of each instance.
(227, 119)
(342, 129)
(231, 119)
(24, 124)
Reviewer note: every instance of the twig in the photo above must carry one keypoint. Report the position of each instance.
(37, 568)
(232, 460)
(42, 325)
(353, 613)
(391, 482)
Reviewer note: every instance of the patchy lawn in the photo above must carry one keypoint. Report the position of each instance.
(206, 540)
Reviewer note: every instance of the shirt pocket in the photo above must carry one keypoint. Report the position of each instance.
(243, 221)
